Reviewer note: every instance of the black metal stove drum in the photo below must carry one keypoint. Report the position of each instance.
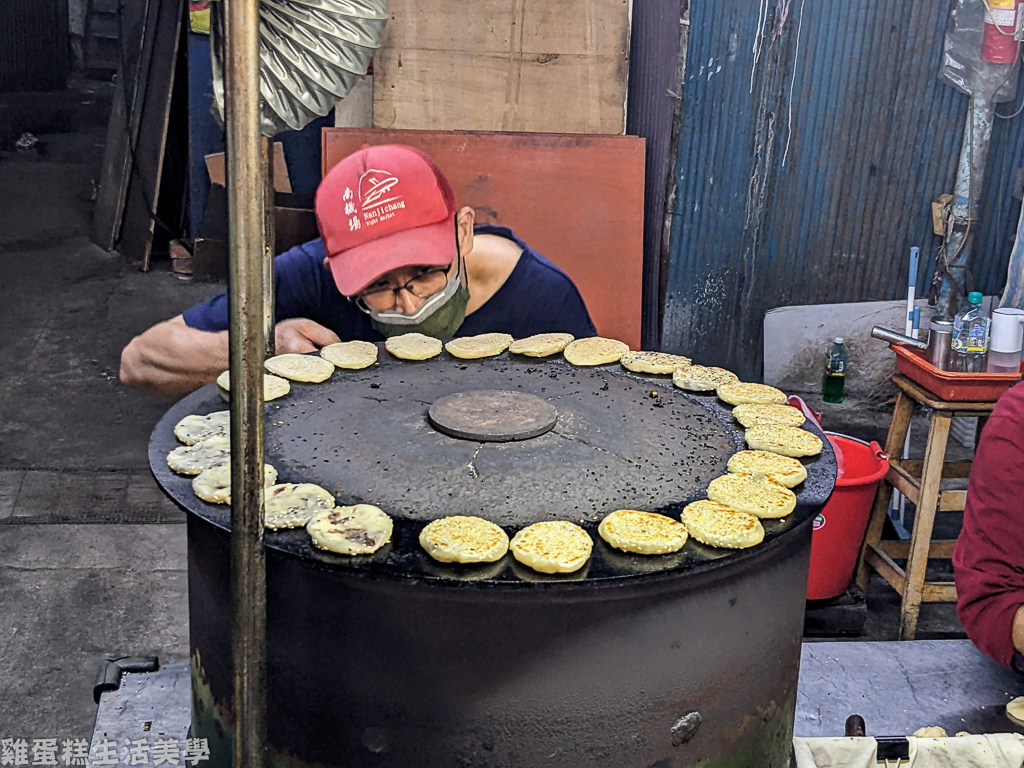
(399, 661)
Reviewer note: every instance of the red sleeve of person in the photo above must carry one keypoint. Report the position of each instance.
(989, 556)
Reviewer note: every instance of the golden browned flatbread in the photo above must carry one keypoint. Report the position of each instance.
(193, 459)
(464, 539)
(643, 533)
(653, 362)
(292, 505)
(782, 469)
(788, 441)
(740, 392)
(541, 344)
(750, 414)
(476, 347)
(556, 546)
(350, 355)
(358, 530)
(194, 429)
(413, 346)
(755, 493)
(701, 378)
(720, 526)
(595, 351)
(273, 386)
(305, 368)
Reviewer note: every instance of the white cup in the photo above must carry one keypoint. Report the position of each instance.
(1007, 332)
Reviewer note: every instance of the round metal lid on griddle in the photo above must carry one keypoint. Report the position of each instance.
(605, 439)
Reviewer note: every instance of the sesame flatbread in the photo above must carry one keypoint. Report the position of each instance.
(413, 346)
(930, 732)
(555, 546)
(193, 459)
(541, 344)
(787, 441)
(750, 414)
(643, 533)
(475, 347)
(652, 362)
(464, 539)
(701, 378)
(292, 505)
(310, 369)
(273, 386)
(1015, 710)
(193, 429)
(740, 392)
(214, 484)
(358, 530)
(782, 469)
(755, 493)
(350, 355)
(595, 350)
(720, 526)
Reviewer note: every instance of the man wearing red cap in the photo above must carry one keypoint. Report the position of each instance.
(396, 256)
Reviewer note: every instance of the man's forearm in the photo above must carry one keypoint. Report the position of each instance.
(173, 359)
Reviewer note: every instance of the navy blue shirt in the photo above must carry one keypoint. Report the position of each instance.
(537, 297)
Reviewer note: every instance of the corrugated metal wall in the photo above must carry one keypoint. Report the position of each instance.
(814, 137)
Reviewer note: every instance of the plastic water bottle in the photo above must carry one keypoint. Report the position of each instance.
(835, 372)
(970, 335)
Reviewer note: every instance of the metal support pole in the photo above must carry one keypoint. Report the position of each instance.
(267, 165)
(963, 220)
(246, 223)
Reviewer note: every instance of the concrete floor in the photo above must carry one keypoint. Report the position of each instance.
(92, 555)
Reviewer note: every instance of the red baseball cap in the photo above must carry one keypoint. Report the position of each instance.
(382, 208)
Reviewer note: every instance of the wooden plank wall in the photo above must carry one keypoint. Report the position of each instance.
(504, 65)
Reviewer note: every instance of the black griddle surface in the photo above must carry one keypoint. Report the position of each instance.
(365, 436)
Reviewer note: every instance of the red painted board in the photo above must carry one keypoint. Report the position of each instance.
(577, 199)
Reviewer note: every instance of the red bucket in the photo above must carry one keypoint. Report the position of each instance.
(839, 528)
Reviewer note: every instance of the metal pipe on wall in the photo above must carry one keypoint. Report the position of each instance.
(963, 219)
(247, 222)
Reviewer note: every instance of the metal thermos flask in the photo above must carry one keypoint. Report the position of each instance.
(940, 336)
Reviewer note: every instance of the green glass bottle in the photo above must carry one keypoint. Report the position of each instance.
(835, 372)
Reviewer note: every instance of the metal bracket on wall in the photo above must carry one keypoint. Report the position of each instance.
(108, 676)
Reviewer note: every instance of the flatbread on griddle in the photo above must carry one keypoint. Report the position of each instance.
(305, 368)
(214, 484)
(292, 505)
(653, 362)
(750, 414)
(701, 378)
(720, 526)
(595, 350)
(476, 347)
(740, 392)
(787, 441)
(555, 546)
(273, 386)
(755, 493)
(643, 533)
(541, 344)
(782, 469)
(194, 429)
(413, 346)
(358, 530)
(464, 539)
(193, 459)
(350, 355)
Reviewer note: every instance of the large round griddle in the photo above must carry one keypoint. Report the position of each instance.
(620, 440)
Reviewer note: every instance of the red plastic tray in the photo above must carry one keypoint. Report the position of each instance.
(954, 386)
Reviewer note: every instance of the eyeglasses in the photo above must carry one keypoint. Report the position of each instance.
(422, 286)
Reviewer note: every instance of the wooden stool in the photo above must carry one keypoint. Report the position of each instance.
(919, 481)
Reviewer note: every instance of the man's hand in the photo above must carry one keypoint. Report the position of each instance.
(299, 335)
